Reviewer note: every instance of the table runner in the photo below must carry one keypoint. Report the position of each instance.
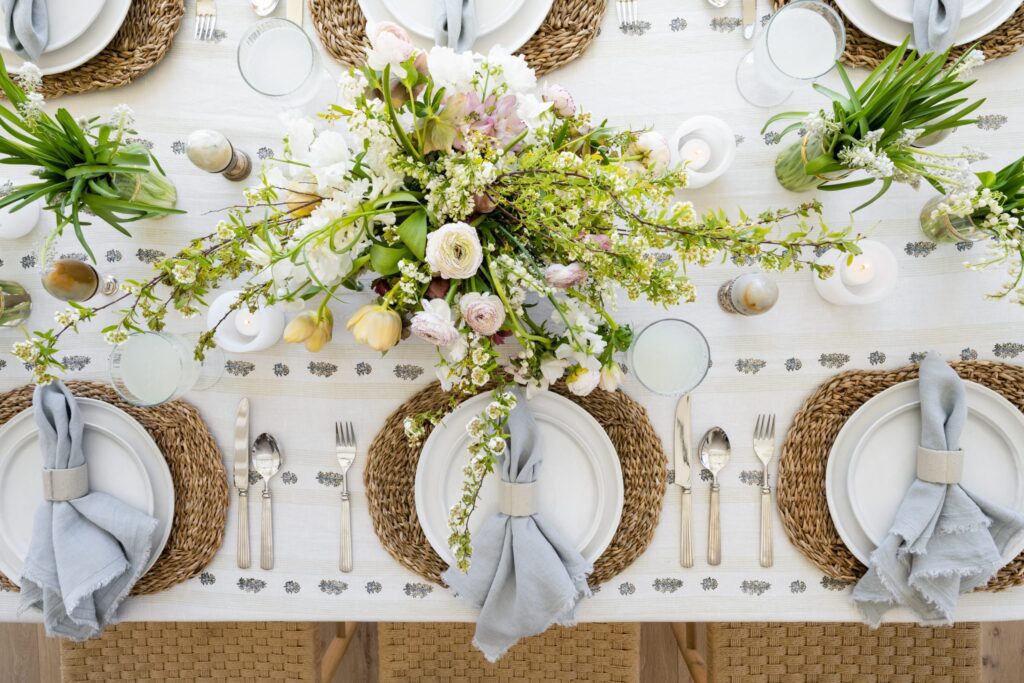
(678, 63)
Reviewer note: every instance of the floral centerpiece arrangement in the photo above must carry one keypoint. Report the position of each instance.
(490, 217)
(84, 167)
(992, 210)
(881, 127)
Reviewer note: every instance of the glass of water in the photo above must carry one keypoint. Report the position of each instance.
(801, 43)
(670, 357)
(150, 368)
(278, 60)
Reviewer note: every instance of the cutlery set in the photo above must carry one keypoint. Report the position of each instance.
(713, 452)
(265, 457)
(749, 15)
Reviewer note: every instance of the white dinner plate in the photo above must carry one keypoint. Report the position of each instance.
(68, 19)
(87, 46)
(903, 10)
(124, 462)
(872, 21)
(874, 460)
(511, 35)
(579, 485)
(418, 15)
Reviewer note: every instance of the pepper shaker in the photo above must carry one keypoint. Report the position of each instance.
(211, 151)
(748, 294)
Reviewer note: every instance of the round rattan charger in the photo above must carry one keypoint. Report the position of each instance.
(803, 507)
(200, 485)
(391, 470)
(569, 28)
(863, 50)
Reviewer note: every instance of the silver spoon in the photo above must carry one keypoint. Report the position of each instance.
(263, 8)
(714, 455)
(266, 458)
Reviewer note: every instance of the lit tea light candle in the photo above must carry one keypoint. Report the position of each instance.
(867, 279)
(696, 152)
(707, 147)
(244, 331)
(860, 271)
(247, 322)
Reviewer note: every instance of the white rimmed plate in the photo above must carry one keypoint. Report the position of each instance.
(579, 485)
(68, 19)
(511, 35)
(872, 21)
(124, 461)
(903, 10)
(81, 50)
(873, 461)
(418, 15)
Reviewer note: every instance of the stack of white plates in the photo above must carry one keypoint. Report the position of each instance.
(890, 21)
(509, 23)
(79, 30)
(124, 462)
(874, 461)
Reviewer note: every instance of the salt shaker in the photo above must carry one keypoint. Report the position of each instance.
(748, 294)
(211, 151)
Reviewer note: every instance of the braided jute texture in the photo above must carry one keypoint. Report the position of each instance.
(200, 484)
(863, 50)
(391, 471)
(141, 42)
(803, 507)
(567, 31)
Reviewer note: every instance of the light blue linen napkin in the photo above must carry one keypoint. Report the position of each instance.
(525, 576)
(87, 552)
(455, 24)
(936, 23)
(27, 27)
(944, 541)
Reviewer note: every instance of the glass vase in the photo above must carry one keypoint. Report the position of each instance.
(946, 228)
(791, 165)
(151, 187)
(15, 304)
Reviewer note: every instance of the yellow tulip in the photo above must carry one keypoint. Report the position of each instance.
(301, 204)
(377, 326)
(300, 328)
(322, 333)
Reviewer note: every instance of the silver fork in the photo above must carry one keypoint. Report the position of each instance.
(764, 449)
(626, 11)
(345, 439)
(206, 19)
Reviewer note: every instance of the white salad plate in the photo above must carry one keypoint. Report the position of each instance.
(579, 483)
(123, 460)
(874, 461)
(92, 41)
(877, 24)
(68, 19)
(903, 10)
(512, 34)
(418, 15)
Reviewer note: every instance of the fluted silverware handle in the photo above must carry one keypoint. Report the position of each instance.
(346, 534)
(686, 530)
(714, 529)
(767, 555)
(243, 529)
(267, 544)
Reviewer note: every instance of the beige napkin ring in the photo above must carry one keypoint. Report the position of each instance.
(65, 485)
(940, 467)
(518, 500)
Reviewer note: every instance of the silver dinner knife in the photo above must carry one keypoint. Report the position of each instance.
(683, 450)
(749, 18)
(242, 480)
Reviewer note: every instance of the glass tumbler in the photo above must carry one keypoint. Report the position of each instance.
(151, 368)
(277, 59)
(670, 357)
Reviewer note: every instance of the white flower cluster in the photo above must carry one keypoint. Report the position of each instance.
(866, 156)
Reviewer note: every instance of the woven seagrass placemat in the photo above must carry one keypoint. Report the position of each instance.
(391, 471)
(801, 489)
(566, 33)
(863, 50)
(200, 483)
(141, 42)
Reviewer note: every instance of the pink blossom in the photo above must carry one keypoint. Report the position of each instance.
(564, 277)
(560, 99)
(389, 44)
(484, 313)
(603, 242)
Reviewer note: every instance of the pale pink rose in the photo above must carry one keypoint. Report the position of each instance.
(484, 313)
(560, 99)
(434, 323)
(655, 150)
(389, 44)
(564, 277)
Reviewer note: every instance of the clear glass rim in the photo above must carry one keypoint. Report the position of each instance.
(118, 385)
(837, 21)
(681, 392)
(285, 23)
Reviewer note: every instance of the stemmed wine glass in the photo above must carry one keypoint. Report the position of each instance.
(801, 43)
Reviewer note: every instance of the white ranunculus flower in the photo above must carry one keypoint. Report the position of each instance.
(565, 276)
(560, 99)
(655, 149)
(451, 70)
(434, 323)
(389, 45)
(531, 109)
(329, 159)
(454, 251)
(515, 71)
(327, 265)
(484, 313)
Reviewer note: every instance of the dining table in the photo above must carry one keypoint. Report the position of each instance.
(677, 61)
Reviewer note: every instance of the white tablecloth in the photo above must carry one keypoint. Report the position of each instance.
(681, 65)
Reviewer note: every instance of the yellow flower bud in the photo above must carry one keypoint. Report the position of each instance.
(377, 326)
(301, 204)
(322, 333)
(300, 328)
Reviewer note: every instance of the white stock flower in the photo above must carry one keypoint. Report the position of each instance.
(451, 70)
(484, 313)
(434, 323)
(454, 251)
(585, 370)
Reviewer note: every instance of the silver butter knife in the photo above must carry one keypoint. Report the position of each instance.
(749, 18)
(683, 450)
(241, 471)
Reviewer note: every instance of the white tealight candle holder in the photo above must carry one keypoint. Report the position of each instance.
(244, 331)
(15, 224)
(707, 146)
(867, 279)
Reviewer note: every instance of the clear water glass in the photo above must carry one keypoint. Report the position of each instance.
(15, 304)
(279, 60)
(801, 43)
(151, 368)
(670, 357)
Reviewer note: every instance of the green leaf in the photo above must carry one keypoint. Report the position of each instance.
(385, 260)
(413, 232)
